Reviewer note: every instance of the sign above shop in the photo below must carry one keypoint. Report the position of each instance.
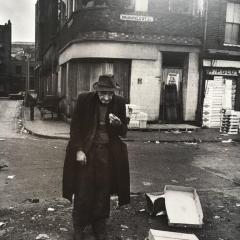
(136, 18)
(223, 72)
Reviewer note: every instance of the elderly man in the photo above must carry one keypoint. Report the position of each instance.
(96, 163)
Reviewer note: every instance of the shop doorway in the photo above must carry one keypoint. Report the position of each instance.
(171, 100)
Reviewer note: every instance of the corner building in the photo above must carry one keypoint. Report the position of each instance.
(152, 47)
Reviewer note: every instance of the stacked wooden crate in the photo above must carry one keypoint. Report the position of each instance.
(213, 102)
(229, 122)
(138, 119)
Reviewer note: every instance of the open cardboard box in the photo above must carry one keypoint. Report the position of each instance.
(164, 235)
(183, 206)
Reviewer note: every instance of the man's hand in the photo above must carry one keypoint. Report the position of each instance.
(114, 120)
(81, 158)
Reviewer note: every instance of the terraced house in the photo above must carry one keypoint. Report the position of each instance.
(151, 46)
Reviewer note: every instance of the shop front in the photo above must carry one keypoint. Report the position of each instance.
(222, 92)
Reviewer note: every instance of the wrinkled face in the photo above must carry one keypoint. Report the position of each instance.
(105, 96)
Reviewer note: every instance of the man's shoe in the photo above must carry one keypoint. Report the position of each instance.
(100, 229)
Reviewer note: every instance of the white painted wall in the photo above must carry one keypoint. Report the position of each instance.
(221, 63)
(191, 91)
(147, 94)
(108, 50)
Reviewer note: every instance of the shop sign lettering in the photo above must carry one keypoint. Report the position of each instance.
(223, 72)
(137, 18)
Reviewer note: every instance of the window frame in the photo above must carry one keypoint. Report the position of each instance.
(232, 21)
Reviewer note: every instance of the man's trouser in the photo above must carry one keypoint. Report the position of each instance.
(92, 197)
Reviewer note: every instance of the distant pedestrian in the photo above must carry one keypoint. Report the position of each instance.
(96, 163)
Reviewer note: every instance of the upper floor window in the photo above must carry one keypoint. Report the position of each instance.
(232, 33)
(136, 5)
(190, 7)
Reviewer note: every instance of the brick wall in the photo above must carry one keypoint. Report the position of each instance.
(216, 25)
(108, 20)
(46, 25)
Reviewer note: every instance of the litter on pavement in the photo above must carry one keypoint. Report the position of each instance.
(163, 235)
(181, 204)
(227, 141)
(155, 203)
(190, 143)
(64, 229)
(2, 224)
(3, 165)
(51, 209)
(42, 236)
(11, 177)
(124, 227)
(147, 183)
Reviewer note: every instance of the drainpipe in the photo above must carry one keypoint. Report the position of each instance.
(202, 54)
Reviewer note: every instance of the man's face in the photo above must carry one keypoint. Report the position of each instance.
(105, 96)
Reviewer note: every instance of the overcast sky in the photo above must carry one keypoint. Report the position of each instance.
(21, 13)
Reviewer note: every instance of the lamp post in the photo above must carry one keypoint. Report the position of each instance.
(27, 56)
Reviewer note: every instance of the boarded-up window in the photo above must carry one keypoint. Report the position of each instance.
(232, 27)
(83, 74)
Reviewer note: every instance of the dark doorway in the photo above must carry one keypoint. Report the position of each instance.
(171, 103)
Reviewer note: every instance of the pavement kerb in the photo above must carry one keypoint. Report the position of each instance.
(132, 140)
(193, 140)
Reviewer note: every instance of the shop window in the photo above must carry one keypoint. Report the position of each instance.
(232, 28)
(18, 69)
(136, 5)
(190, 7)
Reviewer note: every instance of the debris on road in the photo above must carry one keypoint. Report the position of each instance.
(183, 206)
(124, 226)
(32, 200)
(3, 164)
(2, 224)
(42, 236)
(161, 235)
(227, 141)
(3, 232)
(217, 217)
(190, 143)
(64, 229)
(147, 183)
(11, 177)
(51, 209)
(162, 213)
(155, 203)
(191, 179)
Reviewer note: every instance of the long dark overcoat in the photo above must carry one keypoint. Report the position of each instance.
(82, 132)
